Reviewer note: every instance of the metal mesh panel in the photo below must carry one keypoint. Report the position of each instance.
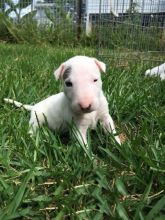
(43, 11)
(121, 28)
(132, 29)
(56, 20)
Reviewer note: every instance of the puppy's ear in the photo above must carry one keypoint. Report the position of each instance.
(59, 72)
(100, 65)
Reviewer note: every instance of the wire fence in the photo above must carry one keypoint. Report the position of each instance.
(132, 29)
(43, 11)
(117, 28)
(58, 18)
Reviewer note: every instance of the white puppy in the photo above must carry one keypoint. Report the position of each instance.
(82, 101)
(157, 71)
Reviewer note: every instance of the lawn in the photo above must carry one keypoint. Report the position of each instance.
(52, 177)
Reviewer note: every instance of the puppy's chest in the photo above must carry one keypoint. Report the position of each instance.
(87, 120)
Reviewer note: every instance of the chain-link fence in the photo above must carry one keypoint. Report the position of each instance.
(43, 11)
(56, 19)
(132, 29)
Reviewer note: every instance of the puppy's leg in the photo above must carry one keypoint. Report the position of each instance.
(108, 125)
(81, 133)
(36, 120)
(106, 120)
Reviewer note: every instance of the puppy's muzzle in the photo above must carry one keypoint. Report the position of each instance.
(85, 109)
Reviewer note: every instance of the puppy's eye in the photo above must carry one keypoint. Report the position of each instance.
(95, 80)
(68, 84)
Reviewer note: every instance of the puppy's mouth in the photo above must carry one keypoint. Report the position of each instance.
(86, 110)
(80, 111)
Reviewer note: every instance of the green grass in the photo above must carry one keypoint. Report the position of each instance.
(52, 177)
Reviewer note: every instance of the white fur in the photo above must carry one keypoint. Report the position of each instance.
(157, 71)
(82, 102)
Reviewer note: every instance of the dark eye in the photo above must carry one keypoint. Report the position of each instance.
(95, 80)
(68, 84)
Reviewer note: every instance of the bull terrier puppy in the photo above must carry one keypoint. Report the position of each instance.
(82, 102)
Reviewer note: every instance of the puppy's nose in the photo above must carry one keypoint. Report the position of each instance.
(86, 107)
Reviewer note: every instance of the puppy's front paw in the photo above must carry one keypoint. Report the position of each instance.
(108, 126)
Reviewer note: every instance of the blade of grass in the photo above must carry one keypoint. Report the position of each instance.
(160, 205)
(12, 207)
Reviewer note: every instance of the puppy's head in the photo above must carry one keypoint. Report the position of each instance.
(82, 82)
(147, 72)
